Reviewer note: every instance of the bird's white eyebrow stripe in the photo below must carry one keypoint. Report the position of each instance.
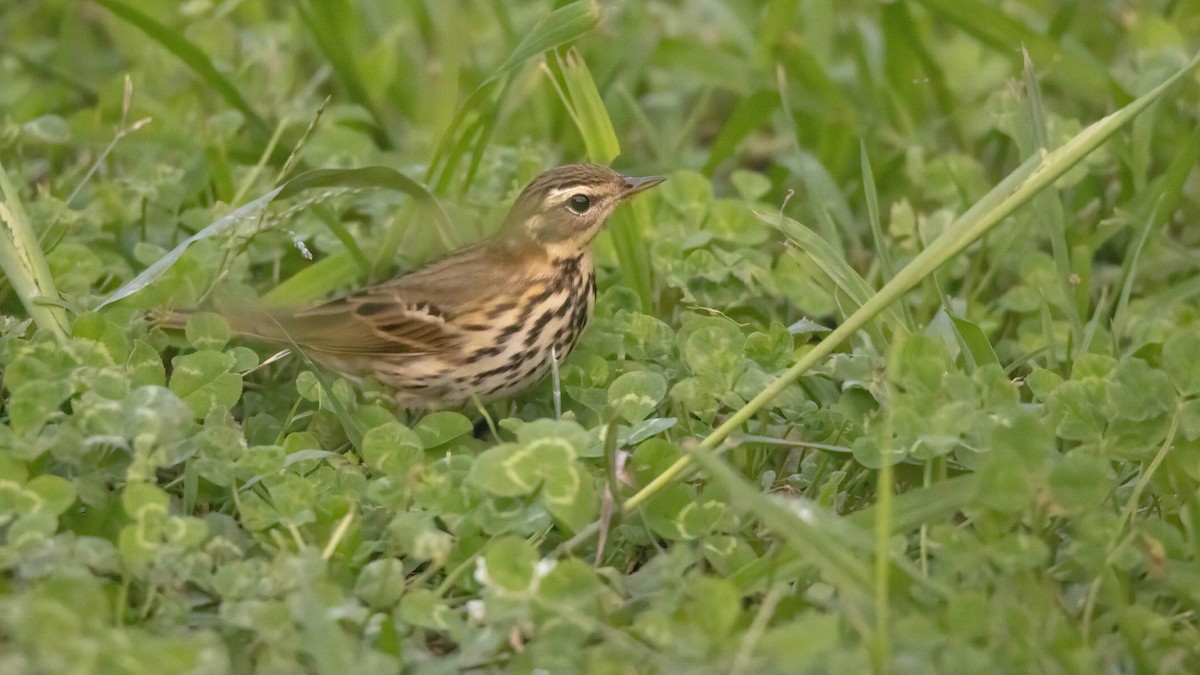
(562, 191)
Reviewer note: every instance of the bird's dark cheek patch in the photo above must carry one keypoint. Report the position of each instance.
(555, 233)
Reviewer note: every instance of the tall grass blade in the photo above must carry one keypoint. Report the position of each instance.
(314, 281)
(882, 248)
(1159, 205)
(586, 108)
(328, 21)
(1048, 208)
(819, 539)
(190, 54)
(24, 263)
(833, 264)
(749, 115)
(243, 221)
(581, 98)
(563, 25)
(910, 509)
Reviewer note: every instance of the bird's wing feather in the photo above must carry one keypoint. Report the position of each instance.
(373, 321)
(411, 314)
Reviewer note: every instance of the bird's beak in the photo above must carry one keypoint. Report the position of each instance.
(635, 185)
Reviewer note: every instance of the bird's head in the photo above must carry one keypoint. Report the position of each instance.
(564, 208)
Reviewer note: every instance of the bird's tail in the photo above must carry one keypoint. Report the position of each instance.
(260, 325)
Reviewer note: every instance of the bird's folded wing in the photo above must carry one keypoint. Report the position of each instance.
(375, 321)
(412, 314)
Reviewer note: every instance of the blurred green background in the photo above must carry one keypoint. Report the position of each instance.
(999, 473)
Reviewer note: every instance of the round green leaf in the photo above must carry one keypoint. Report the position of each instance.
(56, 493)
(750, 185)
(1139, 392)
(509, 562)
(506, 470)
(1189, 419)
(154, 415)
(1180, 360)
(392, 448)
(697, 519)
(206, 330)
(1080, 483)
(380, 583)
(93, 326)
(563, 437)
(202, 379)
(651, 458)
(714, 353)
(421, 540)
(422, 607)
(13, 470)
(244, 359)
(140, 499)
(32, 404)
(308, 386)
(146, 365)
(715, 606)
(1077, 409)
(50, 129)
(664, 511)
(574, 583)
(635, 395)
(570, 494)
(31, 527)
(437, 428)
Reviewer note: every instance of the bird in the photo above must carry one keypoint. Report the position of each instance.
(483, 321)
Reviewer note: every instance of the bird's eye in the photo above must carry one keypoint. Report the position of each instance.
(579, 203)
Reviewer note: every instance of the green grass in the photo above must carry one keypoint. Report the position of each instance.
(897, 373)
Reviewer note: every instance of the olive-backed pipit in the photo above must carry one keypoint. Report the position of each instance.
(484, 319)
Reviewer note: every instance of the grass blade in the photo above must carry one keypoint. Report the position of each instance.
(583, 103)
(238, 217)
(818, 539)
(1154, 213)
(366, 177)
(314, 281)
(1047, 206)
(581, 98)
(910, 510)
(972, 337)
(886, 267)
(190, 54)
(830, 261)
(328, 23)
(24, 263)
(881, 244)
(339, 230)
(750, 114)
(563, 25)
(1080, 71)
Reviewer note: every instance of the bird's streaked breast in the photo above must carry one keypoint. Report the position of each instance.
(507, 343)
